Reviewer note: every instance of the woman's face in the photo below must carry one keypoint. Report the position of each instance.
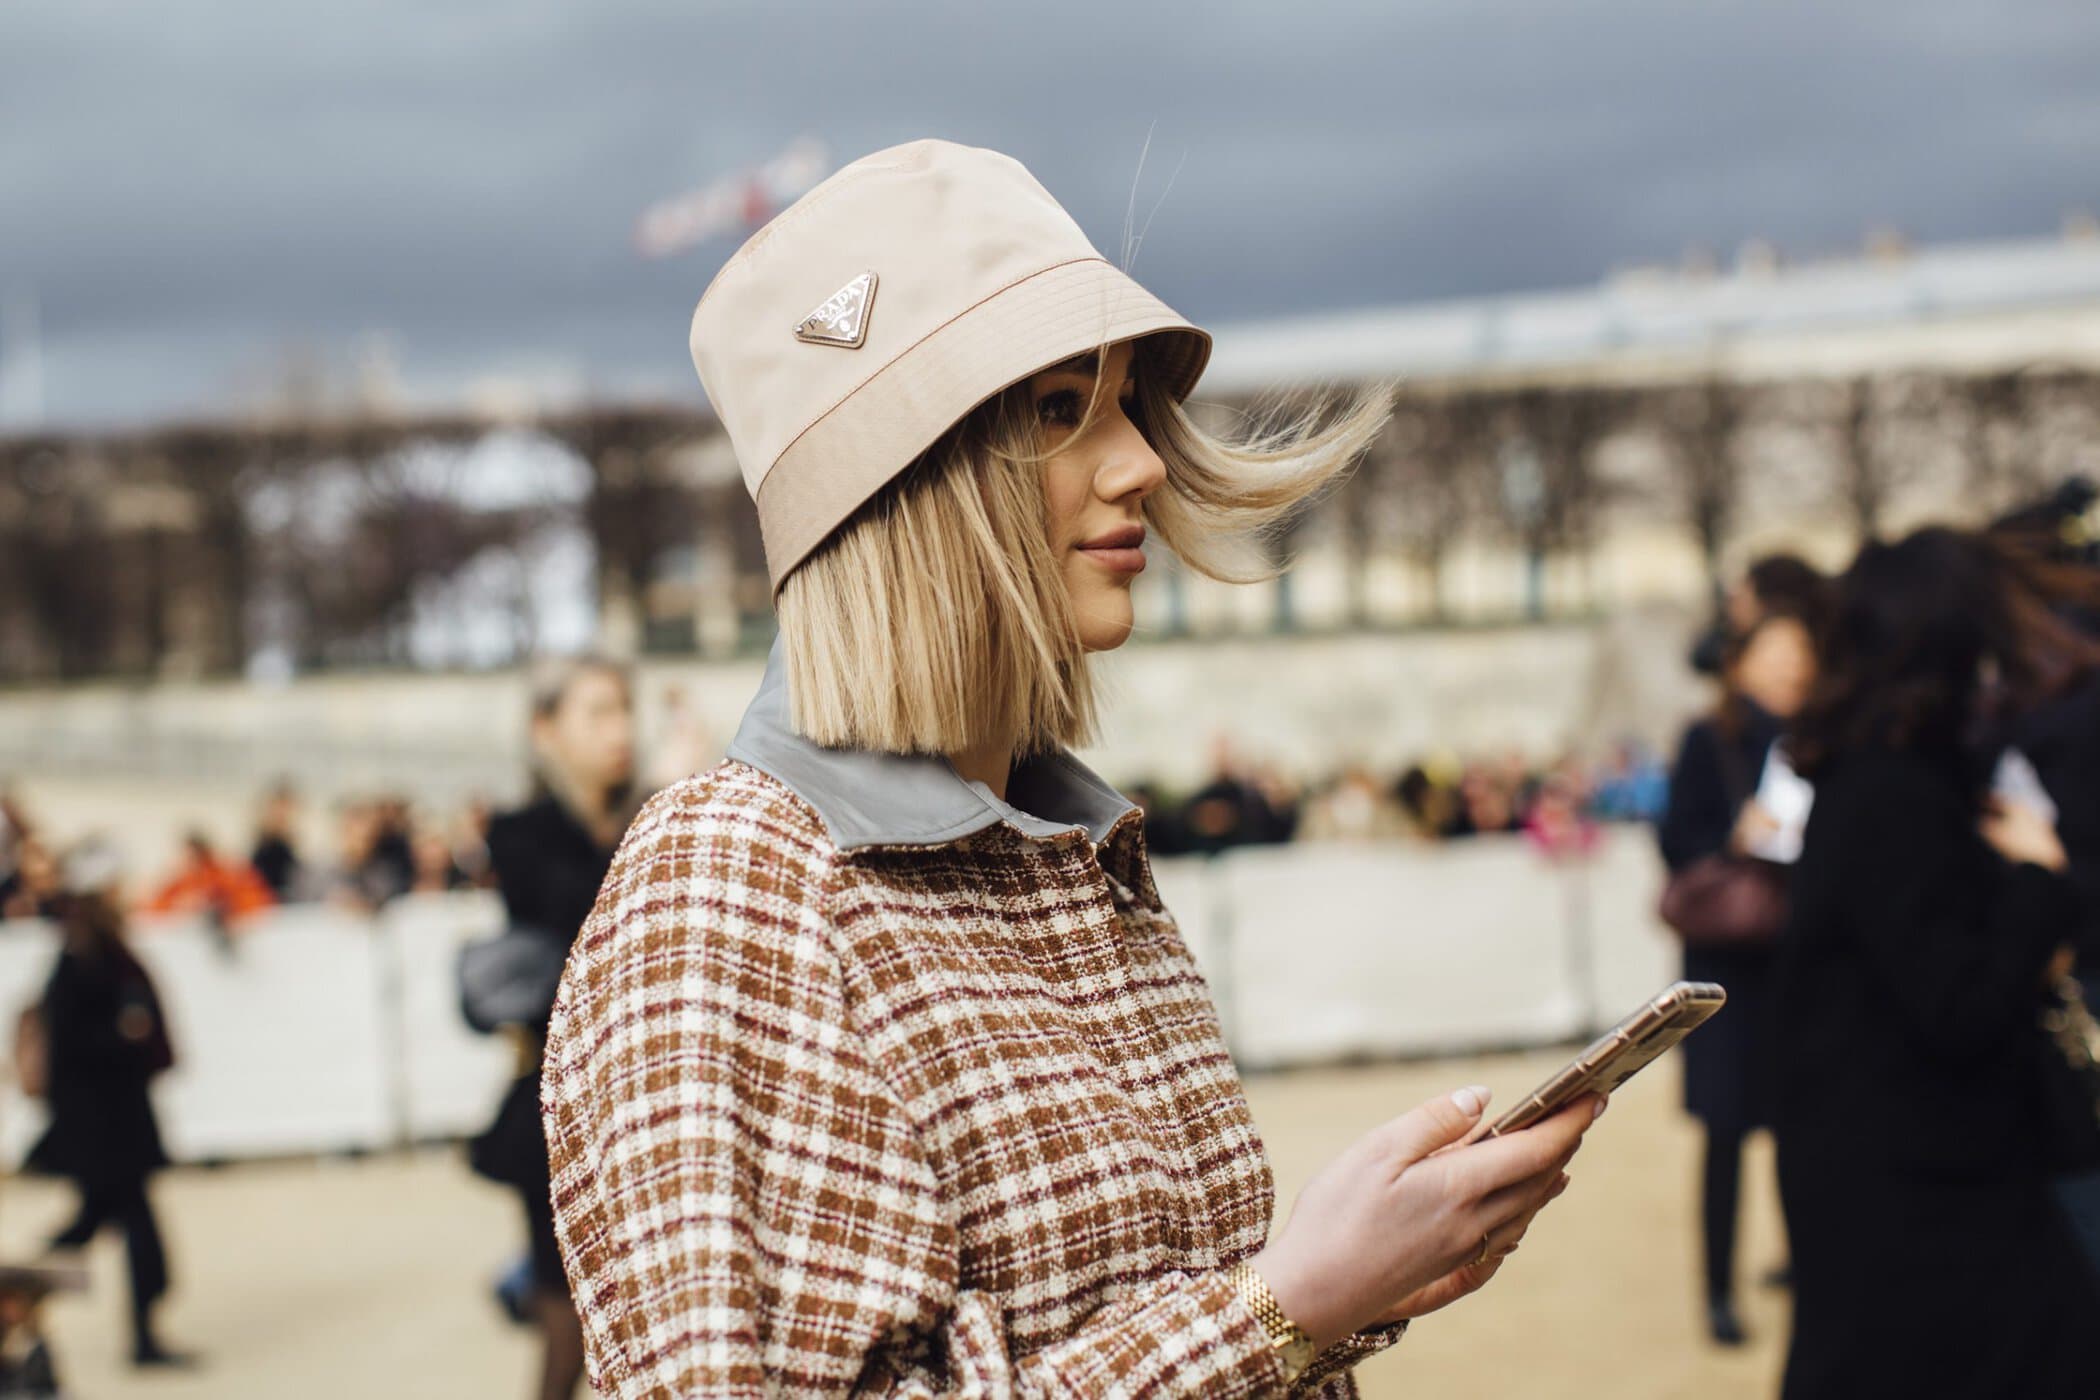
(1094, 485)
(1777, 666)
(590, 735)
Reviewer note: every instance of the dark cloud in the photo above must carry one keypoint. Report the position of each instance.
(192, 186)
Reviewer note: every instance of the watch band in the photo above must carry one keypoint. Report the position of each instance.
(1293, 1344)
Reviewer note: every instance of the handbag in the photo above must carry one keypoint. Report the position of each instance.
(1726, 901)
(2070, 1074)
(511, 979)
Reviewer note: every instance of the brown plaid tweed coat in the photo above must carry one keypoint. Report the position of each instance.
(863, 1082)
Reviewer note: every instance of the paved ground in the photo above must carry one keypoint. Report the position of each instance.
(332, 1280)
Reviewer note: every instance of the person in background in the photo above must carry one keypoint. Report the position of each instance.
(1164, 833)
(1513, 773)
(2061, 738)
(1558, 824)
(1229, 810)
(14, 834)
(1781, 583)
(471, 848)
(31, 889)
(1712, 808)
(1429, 800)
(1356, 807)
(1488, 803)
(1911, 1109)
(1635, 788)
(223, 891)
(28, 1370)
(684, 744)
(393, 851)
(104, 1038)
(1281, 804)
(437, 869)
(276, 853)
(365, 879)
(549, 858)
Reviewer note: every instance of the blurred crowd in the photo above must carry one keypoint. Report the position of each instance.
(379, 846)
(382, 847)
(1442, 797)
(385, 846)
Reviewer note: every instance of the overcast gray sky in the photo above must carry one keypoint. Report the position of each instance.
(190, 187)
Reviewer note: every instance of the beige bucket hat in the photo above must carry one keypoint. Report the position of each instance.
(877, 310)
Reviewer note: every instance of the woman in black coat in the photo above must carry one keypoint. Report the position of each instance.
(104, 1040)
(549, 858)
(1929, 1258)
(1712, 810)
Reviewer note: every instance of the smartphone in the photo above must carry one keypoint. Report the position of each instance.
(1620, 1053)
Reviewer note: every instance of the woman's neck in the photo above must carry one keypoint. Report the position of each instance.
(986, 763)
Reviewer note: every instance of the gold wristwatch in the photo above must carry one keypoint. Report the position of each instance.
(1294, 1346)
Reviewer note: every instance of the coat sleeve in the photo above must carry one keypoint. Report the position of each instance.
(742, 1204)
(519, 869)
(1958, 937)
(1698, 816)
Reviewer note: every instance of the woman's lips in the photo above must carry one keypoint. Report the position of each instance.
(1120, 551)
(1125, 559)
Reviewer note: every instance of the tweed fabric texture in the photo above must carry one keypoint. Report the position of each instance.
(929, 1120)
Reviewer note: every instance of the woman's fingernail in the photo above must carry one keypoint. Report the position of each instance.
(1471, 1100)
(1602, 1104)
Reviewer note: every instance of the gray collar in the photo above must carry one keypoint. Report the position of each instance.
(868, 798)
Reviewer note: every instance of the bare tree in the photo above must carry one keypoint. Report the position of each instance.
(1700, 423)
(1550, 494)
(1419, 505)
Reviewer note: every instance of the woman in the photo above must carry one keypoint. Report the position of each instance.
(879, 1070)
(1928, 1256)
(549, 858)
(104, 1039)
(1774, 583)
(1713, 810)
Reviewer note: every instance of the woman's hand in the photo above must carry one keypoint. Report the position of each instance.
(2020, 832)
(1469, 1277)
(1754, 826)
(1391, 1228)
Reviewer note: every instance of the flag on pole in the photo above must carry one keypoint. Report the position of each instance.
(741, 200)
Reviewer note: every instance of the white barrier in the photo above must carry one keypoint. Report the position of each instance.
(1342, 951)
(1633, 954)
(280, 1036)
(449, 1077)
(322, 1031)
(1349, 950)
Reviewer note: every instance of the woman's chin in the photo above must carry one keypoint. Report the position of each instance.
(1107, 627)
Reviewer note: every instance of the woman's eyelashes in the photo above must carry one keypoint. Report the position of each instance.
(1063, 408)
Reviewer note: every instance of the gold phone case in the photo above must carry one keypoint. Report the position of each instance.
(1620, 1053)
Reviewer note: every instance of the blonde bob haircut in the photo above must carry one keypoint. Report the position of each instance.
(934, 618)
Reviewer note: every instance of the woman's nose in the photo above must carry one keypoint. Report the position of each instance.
(1128, 464)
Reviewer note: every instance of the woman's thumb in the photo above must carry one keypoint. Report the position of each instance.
(1438, 1123)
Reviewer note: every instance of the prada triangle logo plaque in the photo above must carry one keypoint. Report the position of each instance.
(842, 318)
